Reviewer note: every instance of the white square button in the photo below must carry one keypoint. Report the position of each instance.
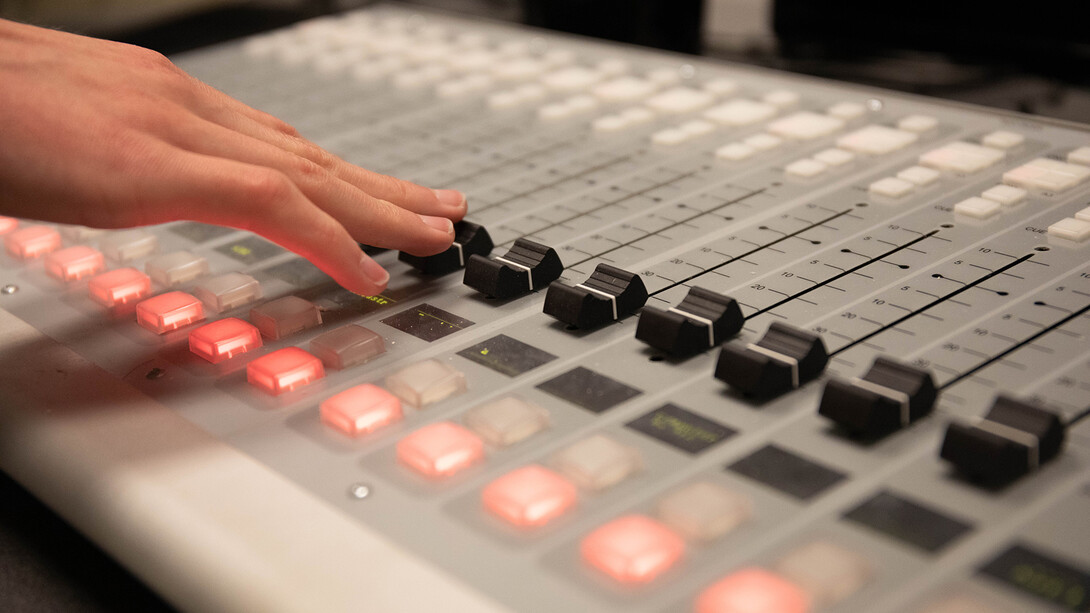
(977, 208)
(426, 383)
(826, 571)
(1005, 194)
(597, 463)
(703, 511)
(506, 421)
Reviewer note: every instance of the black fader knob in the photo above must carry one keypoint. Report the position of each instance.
(608, 294)
(701, 321)
(784, 358)
(469, 239)
(525, 268)
(889, 397)
(1013, 439)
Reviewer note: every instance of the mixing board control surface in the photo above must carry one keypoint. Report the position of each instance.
(710, 337)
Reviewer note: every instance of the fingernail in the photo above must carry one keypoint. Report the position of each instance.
(374, 272)
(439, 223)
(451, 198)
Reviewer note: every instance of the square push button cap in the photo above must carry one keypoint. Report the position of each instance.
(119, 287)
(530, 496)
(632, 549)
(74, 263)
(347, 346)
(128, 245)
(223, 339)
(361, 410)
(32, 242)
(285, 316)
(228, 291)
(752, 590)
(284, 370)
(597, 462)
(703, 511)
(440, 450)
(426, 382)
(169, 311)
(177, 268)
(507, 421)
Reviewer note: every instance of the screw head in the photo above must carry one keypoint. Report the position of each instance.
(9, 289)
(359, 491)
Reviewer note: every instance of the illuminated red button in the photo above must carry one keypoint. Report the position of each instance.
(360, 410)
(32, 242)
(632, 549)
(7, 224)
(440, 449)
(284, 370)
(530, 496)
(752, 590)
(119, 287)
(169, 311)
(224, 339)
(74, 263)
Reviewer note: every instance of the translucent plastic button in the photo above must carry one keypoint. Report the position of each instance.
(1071, 228)
(763, 142)
(1001, 139)
(752, 590)
(284, 370)
(8, 224)
(597, 462)
(529, 497)
(891, 187)
(74, 263)
(177, 268)
(834, 157)
(361, 410)
(735, 152)
(128, 245)
(805, 126)
(847, 110)
(918, 175)
(918, 123)
(440, 450)
(571, 78)
(721, 87)
(703, 511)
(285, 316)
(224, 339)
(827, 572)
(740, 112)
(119, 286)
(1084, 214)
(1005, 194)
(347, 346)
(977, 208)
(877, 140)
(670, 136)
(1080, 156)
(426, 383)
(960, 156)
(680, 100)
(507, 421)
(32, 242)
(782, 98)
(228, 291)
(1046, 174)
(632, 549)
(169, 311)
(806, 168)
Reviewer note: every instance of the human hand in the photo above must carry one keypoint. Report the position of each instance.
(110, 135)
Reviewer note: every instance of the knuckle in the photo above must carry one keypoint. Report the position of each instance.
(263, 189)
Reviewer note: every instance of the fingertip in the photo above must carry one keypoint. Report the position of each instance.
(453, 202)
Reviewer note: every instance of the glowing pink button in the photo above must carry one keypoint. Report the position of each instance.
(360, 410)
(632, 549)
(32, 241)
(752, 590)
(284, 370)
(440, 449)
(119, 287)
(530, 496)
(224, 339)
(169, 311)
(74, 263)
(7, 224)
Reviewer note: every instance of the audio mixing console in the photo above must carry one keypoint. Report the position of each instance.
(711, 339)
